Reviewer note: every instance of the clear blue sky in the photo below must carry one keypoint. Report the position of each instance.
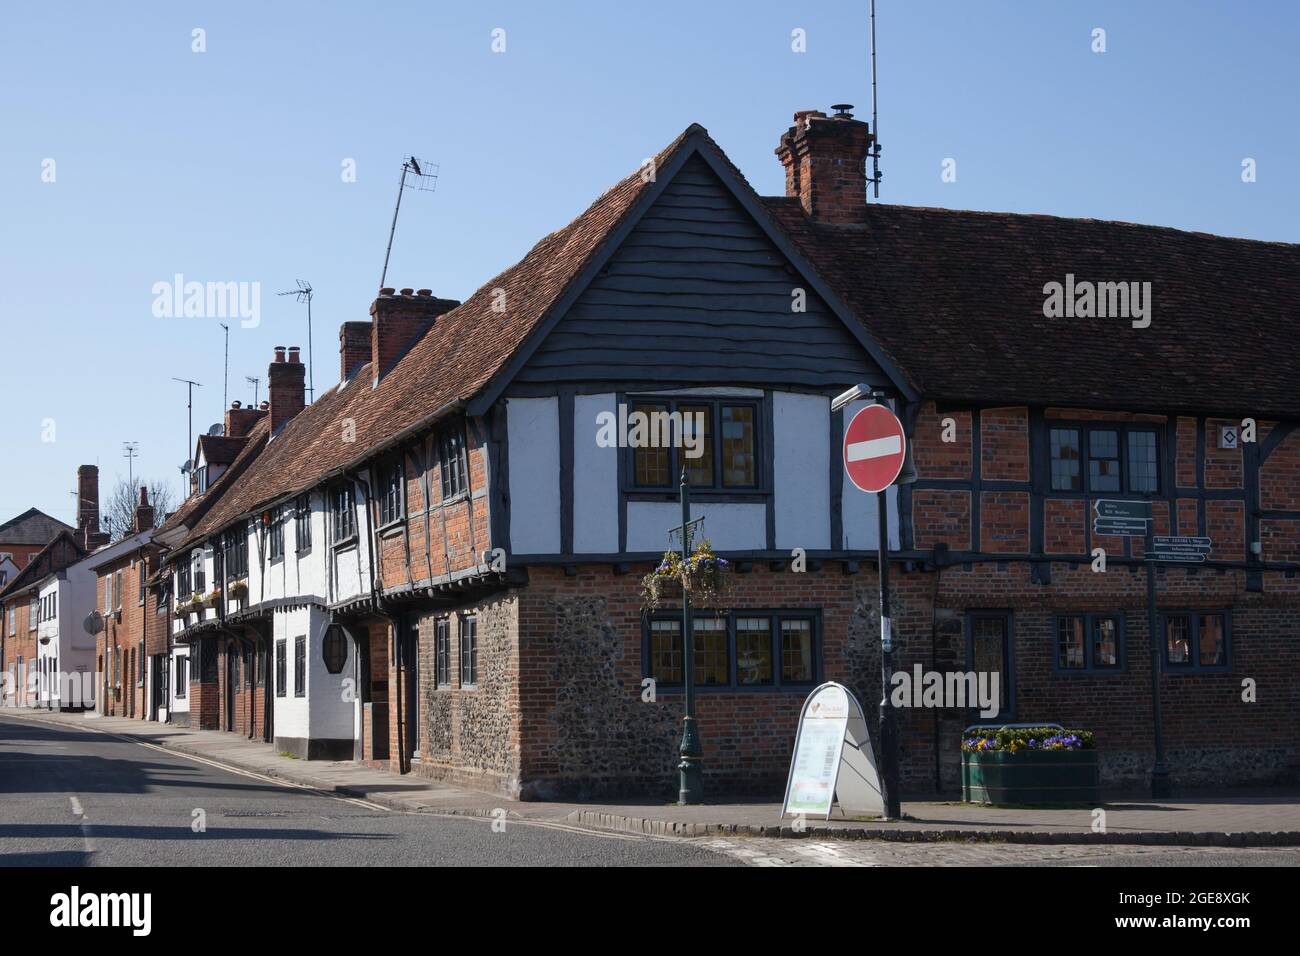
(225, 165)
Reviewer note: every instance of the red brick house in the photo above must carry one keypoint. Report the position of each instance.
(23, 536)
(437, 564)
(132, 650)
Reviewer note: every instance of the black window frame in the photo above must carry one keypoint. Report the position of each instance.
(453, 463)
(199, 561)
(1084, 430)
(778, 685)
(302, 524)
(300, 666)
(1194, 665)
(182, 688)
(442, 653)
(184, 583)
(390, 489)
(275, 535)
(468, 634)
(1089, 645)
(234, 552)
(343, 514)
(334, 649)
(715, 403)
(281, 666)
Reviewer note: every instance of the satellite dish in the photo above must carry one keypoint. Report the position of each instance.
(94, 622)
(187, 467)
(217, 430)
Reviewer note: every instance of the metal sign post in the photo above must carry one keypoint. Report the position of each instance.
(1159, 772)
(875, 453)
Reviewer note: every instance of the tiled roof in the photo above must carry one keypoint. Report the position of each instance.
(455, 359)
(194, 508)
(31, 527)
(953, 298)
(64, 549)
(220, 449)
(957, 298)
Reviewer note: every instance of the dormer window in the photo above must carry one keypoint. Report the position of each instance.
(201, 476)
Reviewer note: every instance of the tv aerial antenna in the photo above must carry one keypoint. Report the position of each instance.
(129, 450)
(254, 381)
(303, 293)
(424, 178)
(874, 179)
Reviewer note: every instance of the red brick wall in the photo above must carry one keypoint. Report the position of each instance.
(584, 729)
(1004, 444)
(20, 643)
(457, 531)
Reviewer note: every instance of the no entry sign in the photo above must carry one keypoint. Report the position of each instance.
(874, 448)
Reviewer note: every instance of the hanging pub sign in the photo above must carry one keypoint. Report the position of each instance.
(833, 760)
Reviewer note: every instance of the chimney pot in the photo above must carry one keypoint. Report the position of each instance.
(408, 292)
(398, 323)
(265, 406)
(424, 292)
(354, 347)
(286, 387)
(387, 290)
(825, 162)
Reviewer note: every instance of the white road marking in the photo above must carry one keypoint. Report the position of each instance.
(80, 813)
(875, 448)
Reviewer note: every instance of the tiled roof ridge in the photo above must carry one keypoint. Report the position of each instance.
(1010, 214)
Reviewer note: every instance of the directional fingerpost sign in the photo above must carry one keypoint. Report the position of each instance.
(1130, 519)
(874, 448)
(1183, 548)
(1115, 508)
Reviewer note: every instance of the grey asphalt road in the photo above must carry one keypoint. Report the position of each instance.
(72, 797)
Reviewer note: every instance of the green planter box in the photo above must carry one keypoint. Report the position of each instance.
(1030, 776)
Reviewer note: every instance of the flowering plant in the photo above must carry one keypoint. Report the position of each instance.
(702, 575)
(1015, 739)
(239, 590)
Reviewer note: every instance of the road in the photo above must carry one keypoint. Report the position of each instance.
(73, 797)
(77, 797)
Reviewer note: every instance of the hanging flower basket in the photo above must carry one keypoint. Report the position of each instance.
(704, 576)
(212, 598)
(239, 590)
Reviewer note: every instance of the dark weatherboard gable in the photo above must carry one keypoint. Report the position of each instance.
(698, 292)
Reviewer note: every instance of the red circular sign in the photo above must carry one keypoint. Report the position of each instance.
(874, 448)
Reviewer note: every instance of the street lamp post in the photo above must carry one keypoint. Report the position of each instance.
(691, 767)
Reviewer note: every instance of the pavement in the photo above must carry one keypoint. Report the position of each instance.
(1268, 818)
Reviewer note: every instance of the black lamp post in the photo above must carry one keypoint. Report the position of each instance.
(691, 767)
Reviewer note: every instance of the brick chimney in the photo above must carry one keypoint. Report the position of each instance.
(143, 512)
(240, 419)
(88, 508)
(288, 386)
(354, 348)
(825, 160)
(397, 323)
